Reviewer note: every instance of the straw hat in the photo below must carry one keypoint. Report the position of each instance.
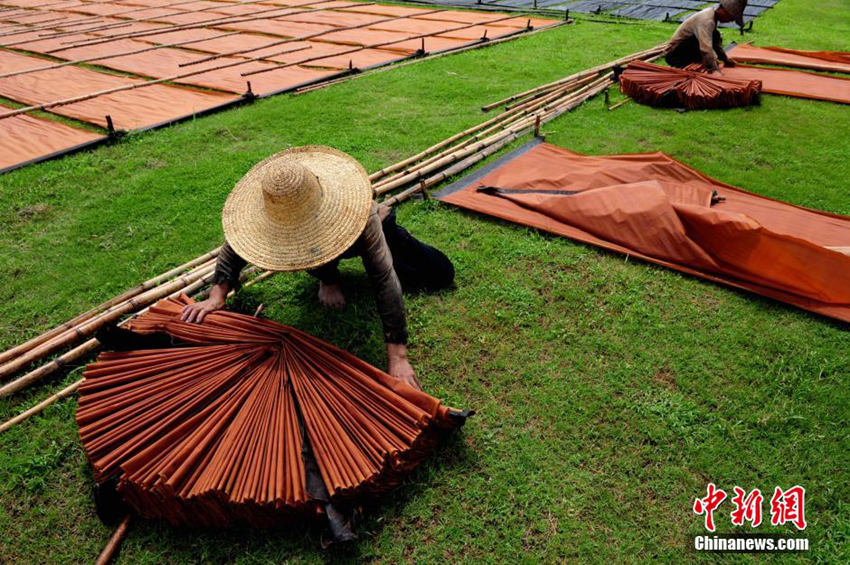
(736, 8)
(298, 209)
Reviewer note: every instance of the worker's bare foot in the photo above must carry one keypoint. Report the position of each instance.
(331, 296)
(383, 211)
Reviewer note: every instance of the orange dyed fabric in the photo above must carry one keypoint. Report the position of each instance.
(23, 138)
(210, 433)
(831, 61)
(655, 208)
(103, 35)
(799, 84)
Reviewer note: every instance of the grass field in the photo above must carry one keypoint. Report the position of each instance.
(609, 392)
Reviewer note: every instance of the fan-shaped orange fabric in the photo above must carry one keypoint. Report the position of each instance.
(213, 431)
(655, 85)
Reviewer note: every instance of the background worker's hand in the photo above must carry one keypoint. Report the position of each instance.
(399, 367)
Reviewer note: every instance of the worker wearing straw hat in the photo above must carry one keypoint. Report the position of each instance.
(697, 39)
(305, 209)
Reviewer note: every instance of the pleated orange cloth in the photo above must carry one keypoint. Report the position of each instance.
(655, 208)
(830, 61)
(221, 429)
(668, 87)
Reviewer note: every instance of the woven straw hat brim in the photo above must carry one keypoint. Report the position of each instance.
(300, 243)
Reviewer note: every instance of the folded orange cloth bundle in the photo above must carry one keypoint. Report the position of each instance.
(224, 427)
(655, 85)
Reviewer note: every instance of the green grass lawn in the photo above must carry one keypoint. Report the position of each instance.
(609, 392)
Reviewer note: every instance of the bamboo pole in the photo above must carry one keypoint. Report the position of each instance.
(172, 78)
(88, 347)
(360, 48)
(38, 408)
(455, 154)
(481, 129)
(581, 74)
(114, 543)
(304, 38)
(82, 350)
(486, 151)
(90, 326)
(115, 55)
(138, 289)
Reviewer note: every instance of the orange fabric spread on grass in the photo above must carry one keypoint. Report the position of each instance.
(832, 61)
(23, 138)
(130, 109)
(658, 209)
(210, 433)
(152, 105)
(800, 84)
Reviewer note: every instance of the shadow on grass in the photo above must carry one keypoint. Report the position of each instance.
(302, 540)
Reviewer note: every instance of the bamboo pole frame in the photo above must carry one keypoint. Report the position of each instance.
(122, 88)
(110, 314)
(154, 19)
(143, 8)
(92, 345)
(428, 56)
(491, 148)
(90, 18)
(130, 293)
(305, 38)
(457, 153)
(114, 55)
(360, 48)
(581, 74)
(475, 131)
(260, 15)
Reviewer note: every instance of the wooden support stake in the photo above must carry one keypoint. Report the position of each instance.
(618, 104)
(114, 544)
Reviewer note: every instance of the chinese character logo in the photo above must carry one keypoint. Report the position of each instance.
(747, 507)
(709, 504)
(789, 506)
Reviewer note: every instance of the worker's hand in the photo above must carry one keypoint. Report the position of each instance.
(331, 296)
(398, 365)
(195, 313)
(729, 63)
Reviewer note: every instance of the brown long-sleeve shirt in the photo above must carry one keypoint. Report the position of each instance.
(372, 248)
(702, 26)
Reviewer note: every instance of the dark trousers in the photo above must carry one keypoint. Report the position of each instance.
(688, 51)
(419, 266)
